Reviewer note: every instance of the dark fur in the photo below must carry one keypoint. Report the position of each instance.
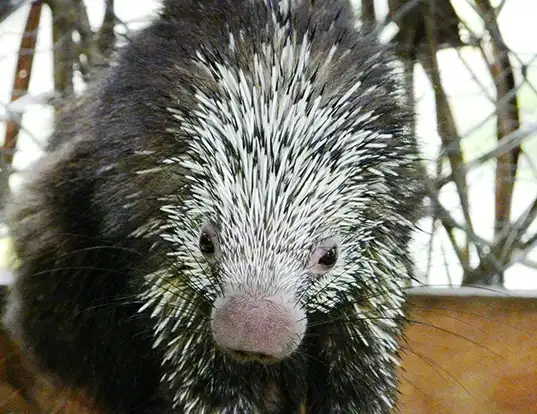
(73, 306)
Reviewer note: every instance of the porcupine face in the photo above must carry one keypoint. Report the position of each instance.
(285, 161)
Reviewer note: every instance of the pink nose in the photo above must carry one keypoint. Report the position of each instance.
(263, 329)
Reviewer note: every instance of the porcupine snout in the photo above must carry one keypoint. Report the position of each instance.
(265, 329)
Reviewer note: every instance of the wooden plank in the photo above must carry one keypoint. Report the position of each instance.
(470, 355)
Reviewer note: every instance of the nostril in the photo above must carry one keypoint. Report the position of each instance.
(264, 330)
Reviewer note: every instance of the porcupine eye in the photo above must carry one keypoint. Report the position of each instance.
(330, 258)
(207, 241)
(206, 244)
(324, 257)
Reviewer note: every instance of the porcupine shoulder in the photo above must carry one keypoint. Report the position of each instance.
(222, 225)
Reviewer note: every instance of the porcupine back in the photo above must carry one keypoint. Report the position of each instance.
(222, 223)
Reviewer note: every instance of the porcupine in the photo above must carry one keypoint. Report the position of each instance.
(223, 224)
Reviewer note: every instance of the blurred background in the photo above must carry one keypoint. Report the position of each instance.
(471, 75)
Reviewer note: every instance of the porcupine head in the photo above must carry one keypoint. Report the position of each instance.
(287, 251)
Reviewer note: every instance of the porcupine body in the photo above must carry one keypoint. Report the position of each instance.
(222, 225)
